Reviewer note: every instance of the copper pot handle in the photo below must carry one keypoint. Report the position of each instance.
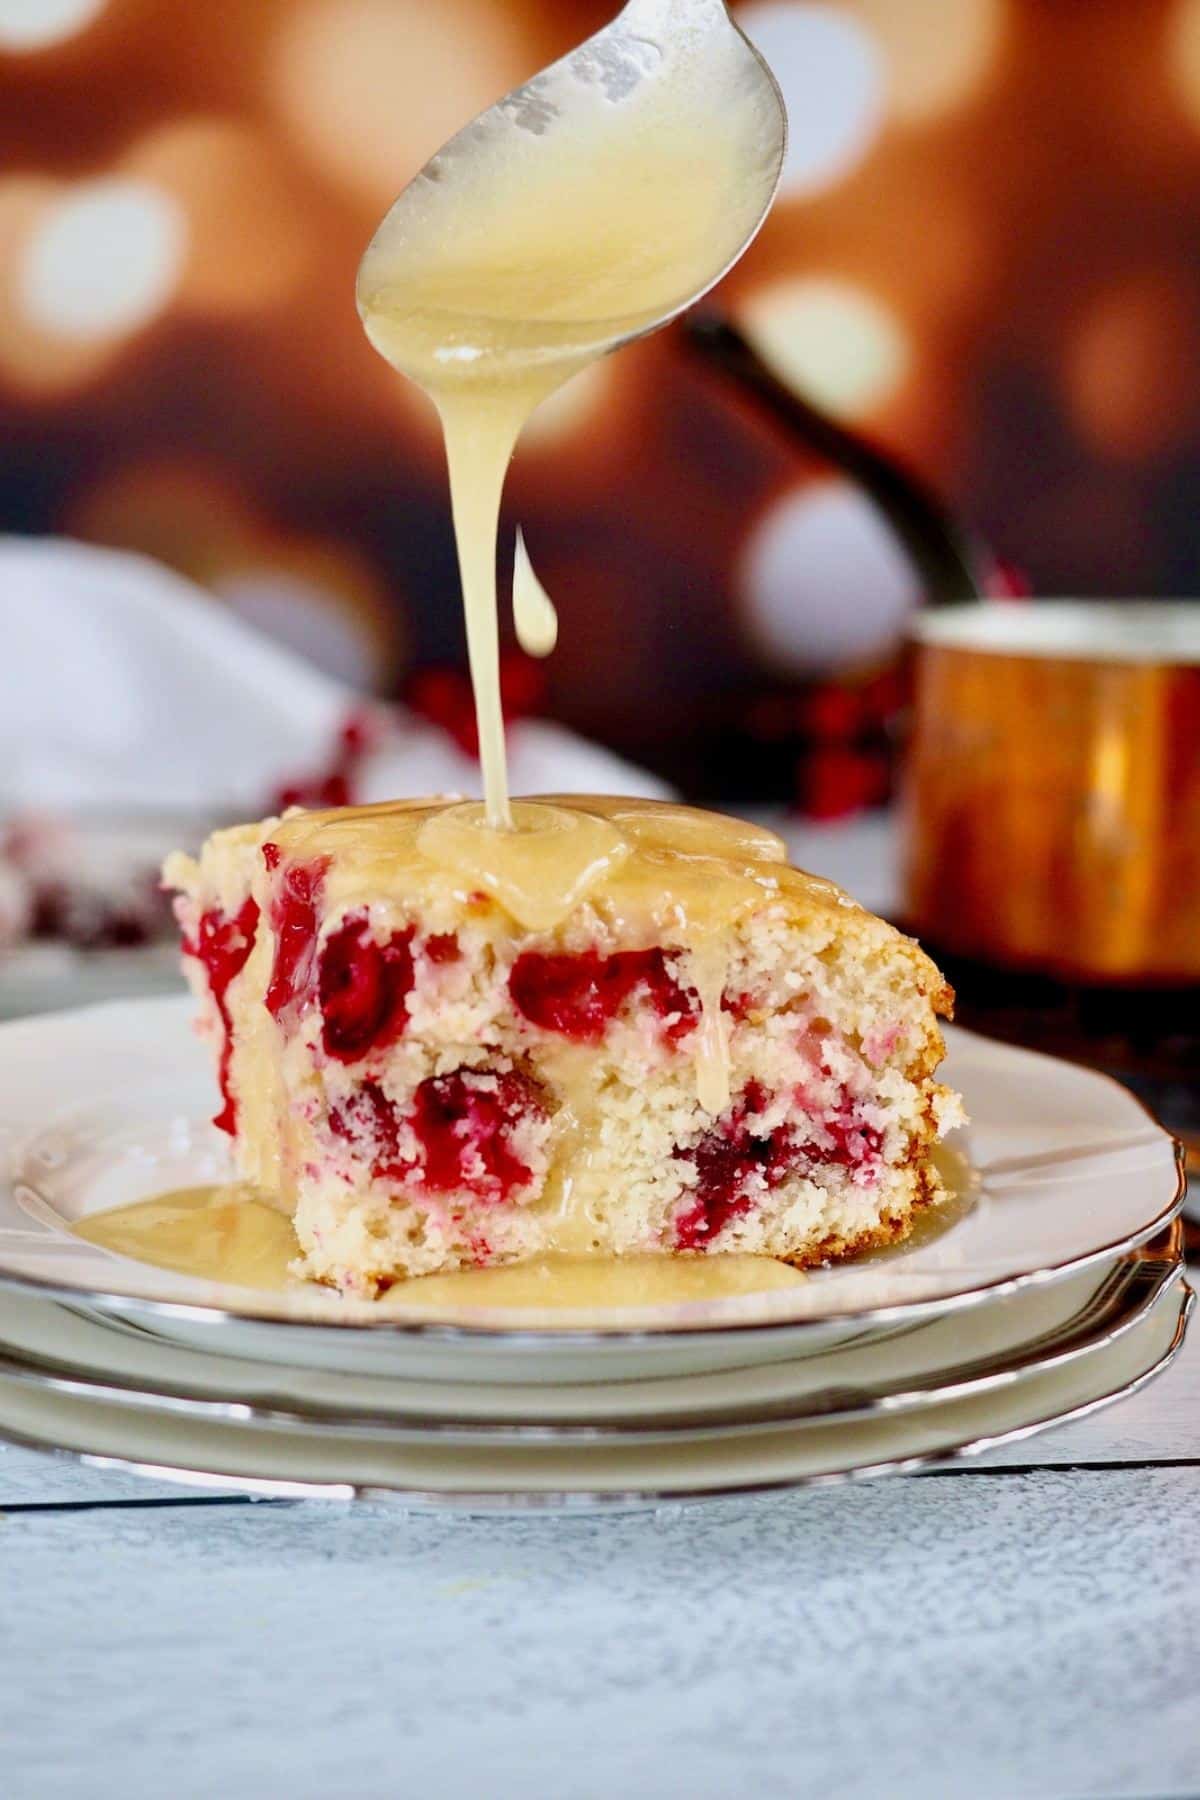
(948, 563)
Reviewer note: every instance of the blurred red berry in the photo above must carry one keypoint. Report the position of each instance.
(443, 696)
(832, 715)
(1005, 581)
(836, 782)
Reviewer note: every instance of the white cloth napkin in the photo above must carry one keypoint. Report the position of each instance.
(127, 688)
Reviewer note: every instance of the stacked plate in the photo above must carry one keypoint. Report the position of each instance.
(1049, 1287)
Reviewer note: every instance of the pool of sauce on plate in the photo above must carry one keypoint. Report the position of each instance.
(232, 1233)
(228, 1233)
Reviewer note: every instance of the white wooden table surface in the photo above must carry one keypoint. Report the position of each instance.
(1020, 1626)
(1025, 1626)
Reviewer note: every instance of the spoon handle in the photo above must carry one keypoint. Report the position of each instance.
(945, 558)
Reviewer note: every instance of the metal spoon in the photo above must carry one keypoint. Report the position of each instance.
(650, 41)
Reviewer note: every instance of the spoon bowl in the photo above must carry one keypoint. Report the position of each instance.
(620, 185)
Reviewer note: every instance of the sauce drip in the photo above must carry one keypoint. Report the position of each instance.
(589, 207)
(533, 610)
(709, 959)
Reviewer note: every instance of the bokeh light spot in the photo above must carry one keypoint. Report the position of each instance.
(102, 260)
(38, 24)
(250, 235)
(1131, 370)
(831, 340)
(937, 52)
(372, 88)
(823, 584)
(324, 600)
(832, 75)
(1183, 55)
(192, 515)
(30, 362)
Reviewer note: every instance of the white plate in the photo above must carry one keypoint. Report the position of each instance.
(107, 1105)
(44, 1343)
(312, 1464)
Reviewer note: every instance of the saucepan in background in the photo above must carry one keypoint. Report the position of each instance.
(1051, 832)
(1052, 819)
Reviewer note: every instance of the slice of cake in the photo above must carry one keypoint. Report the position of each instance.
(621, 1028)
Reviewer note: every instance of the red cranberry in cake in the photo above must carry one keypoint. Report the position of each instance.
(579, 996)
(368, 1121)
(294, 915)
(442, 947)
(846, 1138)
(474, 1129)
(619, 1028)
(741, 1160)
(468, 1131)
(364, 987)
(222, 946)
(736, 1163)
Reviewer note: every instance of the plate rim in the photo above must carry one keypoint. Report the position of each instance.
(582, 1500)
(528, 1337)
(1071, 1343)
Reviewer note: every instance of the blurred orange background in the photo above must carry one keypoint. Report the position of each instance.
(985, 256)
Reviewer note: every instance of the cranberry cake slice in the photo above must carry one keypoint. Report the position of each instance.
(620, 1028)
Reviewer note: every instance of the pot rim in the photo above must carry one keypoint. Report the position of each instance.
(1143, 632)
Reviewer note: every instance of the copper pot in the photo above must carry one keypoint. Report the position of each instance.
(1053, 788)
